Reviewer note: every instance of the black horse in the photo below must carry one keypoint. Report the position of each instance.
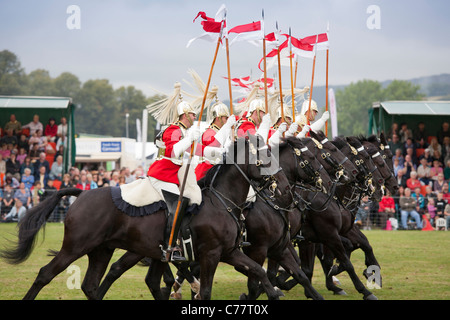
(94, 226)
(266, 224)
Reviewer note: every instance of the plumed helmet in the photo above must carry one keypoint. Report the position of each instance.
(219, 109)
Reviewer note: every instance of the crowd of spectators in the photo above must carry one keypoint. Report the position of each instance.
(31, 168)
(422, 168)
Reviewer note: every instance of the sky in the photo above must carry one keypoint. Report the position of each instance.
(143, 43)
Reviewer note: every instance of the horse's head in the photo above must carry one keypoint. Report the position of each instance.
(373, 179)
(255, 159)
(302, 166)
(334, 161)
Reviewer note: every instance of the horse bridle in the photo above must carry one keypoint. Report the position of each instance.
(325, 155)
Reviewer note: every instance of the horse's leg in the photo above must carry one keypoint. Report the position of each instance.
(326, 260)
(208, 266)
(57, 265)
(336, 246)
(118, 268)
(258, 255)
(153, 279)
(290, 264)
(98, 262)
(242, 262)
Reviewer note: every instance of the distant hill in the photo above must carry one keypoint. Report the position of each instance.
(435, 87)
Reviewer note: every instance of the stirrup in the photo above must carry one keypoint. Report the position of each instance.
(172, 255)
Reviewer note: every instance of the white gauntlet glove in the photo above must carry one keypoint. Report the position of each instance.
(319, 124)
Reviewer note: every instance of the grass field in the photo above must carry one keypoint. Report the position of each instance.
(415, 265)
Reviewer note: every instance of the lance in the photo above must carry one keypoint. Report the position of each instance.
(326, 85)
(279, 79)
(183, 185)
(228, 67)
(312, 81)
(292, 81)
(266, 100)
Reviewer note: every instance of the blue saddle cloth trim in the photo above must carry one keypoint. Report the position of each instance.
(134, 211)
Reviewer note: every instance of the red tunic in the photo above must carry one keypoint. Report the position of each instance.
(207, 140)
(246, 126)
(164, 169)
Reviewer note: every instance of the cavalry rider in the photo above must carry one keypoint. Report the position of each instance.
(302, 118)
(256, 122)
(280, 127)
(214, 138)
(163, 173)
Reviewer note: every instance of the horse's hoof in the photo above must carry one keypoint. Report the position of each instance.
(340, 293)
(243, 297)
(371, 297)
(279, 292)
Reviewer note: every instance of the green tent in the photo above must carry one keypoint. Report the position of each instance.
(432, 113)
(25, 108)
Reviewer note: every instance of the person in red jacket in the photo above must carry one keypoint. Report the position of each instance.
(174, 141)
(256, 122)
(214, 138)
(386, 209)
(51, 129)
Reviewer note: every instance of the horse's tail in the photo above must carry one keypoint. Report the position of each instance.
(30, 225)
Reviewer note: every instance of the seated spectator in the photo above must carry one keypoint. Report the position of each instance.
(42, 175)
(34, 125)
(23, 143)
(401, 178)
(10, 138)
(424, 172)
(34, 152)
(28, 178)
(66, 183)
(41, 162)
(5, 152)
(23, 194)
(13, 182)
(440, 205)
(57, 169)
(363, 213)
(446, 150)
(443, 132)
(13, 166)
(27, 164)
(431, 211)
(399, 156)
(92, 183)
(446, 193)
(405, 132)
(429, 193)
(51, 129)
(420, 132)
(16, 214)
(408, 144)
(386, 209)
(21, 155)
(421, 144)
(412, 183)
(447, 171)
(83, 183)
(412, 154)
(395, 143)
(420, 200)
(62, 130)
(408, 208)
(8, 199)
(409, 166)
(435, 149)
(394, 130)
(13, 124)
(49, 189)
(439, 183)
(436, 169)
(2, 165)
(426, 155)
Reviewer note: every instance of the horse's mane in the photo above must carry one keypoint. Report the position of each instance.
(354, 140)
(372, 138)
(339, 142)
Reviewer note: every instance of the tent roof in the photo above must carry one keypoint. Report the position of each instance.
(34, 102)
(430, 108)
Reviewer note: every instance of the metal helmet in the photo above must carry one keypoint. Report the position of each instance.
(305, 106)
(184, 108)
(287, 114)
(257, 104)
(219, 109)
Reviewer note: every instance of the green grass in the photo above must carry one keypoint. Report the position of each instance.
(414, 265)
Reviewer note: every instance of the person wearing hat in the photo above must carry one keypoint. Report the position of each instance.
(163, 173)
(256, 122)
(280, 127)
(302, 119)
(214, 138)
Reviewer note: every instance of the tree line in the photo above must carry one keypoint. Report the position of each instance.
(101, 109)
